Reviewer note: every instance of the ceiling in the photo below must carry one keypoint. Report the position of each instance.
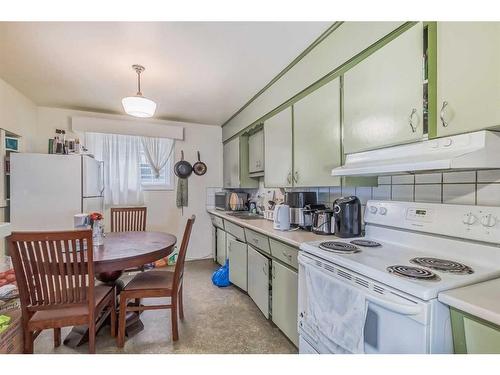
(196, 71)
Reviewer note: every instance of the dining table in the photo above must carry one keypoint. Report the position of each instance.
(122, 251)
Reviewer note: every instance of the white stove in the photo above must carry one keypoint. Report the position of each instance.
(410, 253)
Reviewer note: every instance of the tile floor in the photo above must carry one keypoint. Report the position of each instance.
(217, 320)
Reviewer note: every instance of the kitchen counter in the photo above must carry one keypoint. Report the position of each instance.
(481, 300)
(293, 238)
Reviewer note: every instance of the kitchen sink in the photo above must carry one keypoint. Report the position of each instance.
(245, 215)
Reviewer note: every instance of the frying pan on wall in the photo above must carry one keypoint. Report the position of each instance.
(199, 168)
(183, 168)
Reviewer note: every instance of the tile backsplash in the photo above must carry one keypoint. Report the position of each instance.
(468, 187)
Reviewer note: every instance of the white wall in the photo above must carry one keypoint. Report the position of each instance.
(163, 215)
(18, 114)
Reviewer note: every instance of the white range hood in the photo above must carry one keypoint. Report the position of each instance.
(478, 150)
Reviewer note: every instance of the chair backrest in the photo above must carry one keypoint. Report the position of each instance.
(53, 269)
(128, 219)
(179, 266)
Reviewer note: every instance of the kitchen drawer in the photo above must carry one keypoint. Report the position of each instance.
(217, 221)
(285, 253)
(235, 230)
(258, 240)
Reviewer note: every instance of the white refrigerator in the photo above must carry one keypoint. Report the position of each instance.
(46, 191)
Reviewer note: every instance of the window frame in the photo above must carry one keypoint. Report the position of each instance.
(149, 186)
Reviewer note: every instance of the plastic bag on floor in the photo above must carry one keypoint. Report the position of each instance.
(221, 276)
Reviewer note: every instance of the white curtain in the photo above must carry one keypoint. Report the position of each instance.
(158, 151)
(122, 174)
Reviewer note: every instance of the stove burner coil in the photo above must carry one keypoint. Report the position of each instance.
(443, 265)
(415, 273)
(339, 247)
(365, 243)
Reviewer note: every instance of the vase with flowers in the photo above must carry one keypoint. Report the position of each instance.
(97, 224)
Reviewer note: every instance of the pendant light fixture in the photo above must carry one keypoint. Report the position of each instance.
(138, 105)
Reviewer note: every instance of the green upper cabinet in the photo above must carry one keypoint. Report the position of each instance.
(383, 95)
(316, 137)
(235, 164)
(468, 76)
(256, 152)
(278, 149)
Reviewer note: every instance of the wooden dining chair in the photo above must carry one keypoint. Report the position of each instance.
(55, 278)
(128, 219)
(153, 284)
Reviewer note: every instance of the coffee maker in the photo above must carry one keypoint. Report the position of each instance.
(301, 206)
(347, 217)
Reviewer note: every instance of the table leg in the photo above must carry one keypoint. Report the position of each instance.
(79, 335)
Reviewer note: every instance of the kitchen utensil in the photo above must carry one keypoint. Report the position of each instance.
(304, 216)
(199, 168)
(234, 202)
(322, 222)
(282, 217)
(347, 212)
(183, 168)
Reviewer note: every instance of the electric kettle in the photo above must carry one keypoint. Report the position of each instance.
(281, 217)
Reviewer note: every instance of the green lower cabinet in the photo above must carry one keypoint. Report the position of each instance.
(237, 255)
(285, 300)
(472, 335)
(258, 280)
(220, 240)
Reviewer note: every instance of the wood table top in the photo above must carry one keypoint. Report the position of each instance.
(123, 250)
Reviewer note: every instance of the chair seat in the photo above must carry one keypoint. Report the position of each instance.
(151, 280)
(69, 312)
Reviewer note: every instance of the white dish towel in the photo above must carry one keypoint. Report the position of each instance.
(336, 310)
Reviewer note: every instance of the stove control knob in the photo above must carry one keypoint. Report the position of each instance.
(469, 218)
(373, 209)
(382, 210)
(489, 220)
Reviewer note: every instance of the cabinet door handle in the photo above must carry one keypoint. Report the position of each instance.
(296, 177)
(264, 270)
(289, 178)
(289, 256)
(441, 114)
(412, 126)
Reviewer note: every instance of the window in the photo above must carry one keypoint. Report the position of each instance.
(148, 179)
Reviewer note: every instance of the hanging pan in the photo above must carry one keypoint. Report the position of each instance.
(183, 168)
(199, 168)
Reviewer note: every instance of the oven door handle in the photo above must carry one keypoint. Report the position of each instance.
(399, 308)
